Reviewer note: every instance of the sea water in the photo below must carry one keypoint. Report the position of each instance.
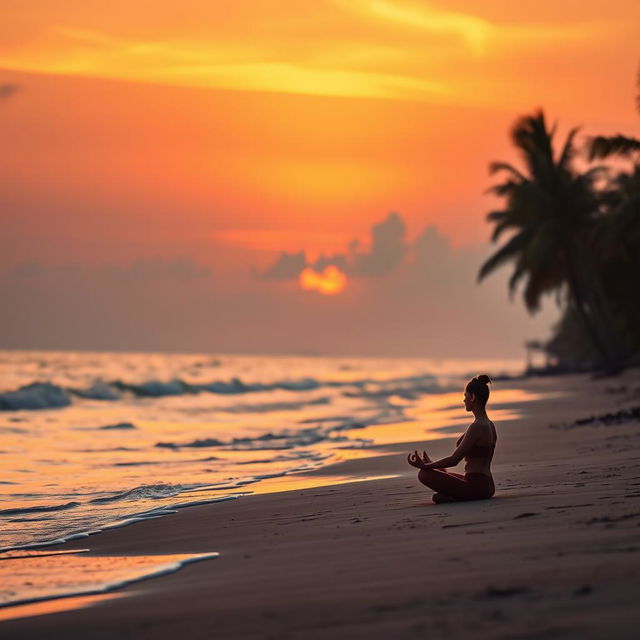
(93, 440)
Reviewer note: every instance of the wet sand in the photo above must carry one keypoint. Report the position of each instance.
(555, 554)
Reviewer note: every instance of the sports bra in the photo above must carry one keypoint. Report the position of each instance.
(480, 450)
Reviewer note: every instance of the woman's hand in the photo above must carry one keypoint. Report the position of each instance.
(415, 460)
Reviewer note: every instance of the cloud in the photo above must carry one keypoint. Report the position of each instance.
(7, 90)
(388, 249)
(228, 62)
(36, 269)
(436, 266)
(428, 305)
(339, 260)
(471, 29)
(431, 248)
(390, 49)
(286, 267)
(180, 268)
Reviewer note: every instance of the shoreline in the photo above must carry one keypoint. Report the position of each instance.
(269, 542)
(441, 410)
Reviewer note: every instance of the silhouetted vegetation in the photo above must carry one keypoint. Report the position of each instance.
(576, 233)
(601, 147)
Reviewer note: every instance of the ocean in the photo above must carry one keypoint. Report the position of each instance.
(91, 440)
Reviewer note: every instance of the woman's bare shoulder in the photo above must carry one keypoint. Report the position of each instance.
(481, 425)
(483, 422)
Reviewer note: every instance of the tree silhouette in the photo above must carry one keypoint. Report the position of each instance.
(600, 147)
(552, 210)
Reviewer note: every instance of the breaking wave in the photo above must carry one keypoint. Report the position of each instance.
(145, 492)
(293, 439)
(38, 509)
(37, 395)
(46, 395)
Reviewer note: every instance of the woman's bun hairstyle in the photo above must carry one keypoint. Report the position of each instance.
(479, 387)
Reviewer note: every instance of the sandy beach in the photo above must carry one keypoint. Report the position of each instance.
(553, 555)
(257, 257)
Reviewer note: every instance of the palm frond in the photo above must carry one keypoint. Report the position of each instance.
(568, 151)
(519, 272)
(534, 141)
(626, 219)
(605, 146)
(531, 295)
(504, 188)
(505, 254)
(497, 215)
(595, 173)
(504, 220)
(537, 284)
(495, 167)
(503, 226)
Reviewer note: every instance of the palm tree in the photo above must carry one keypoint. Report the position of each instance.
(618, 230)
(617, 242)
(619, 145)
(551, 210)
(617, 235)
(600, 147)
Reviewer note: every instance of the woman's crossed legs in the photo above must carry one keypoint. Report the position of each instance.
(473, 486)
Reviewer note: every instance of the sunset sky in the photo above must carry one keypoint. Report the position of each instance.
(281, 176)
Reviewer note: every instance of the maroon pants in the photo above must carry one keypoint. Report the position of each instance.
(471, 486)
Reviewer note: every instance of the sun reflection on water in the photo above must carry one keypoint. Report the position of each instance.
(28, 576)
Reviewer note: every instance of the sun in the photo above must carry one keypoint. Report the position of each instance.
(329, 282)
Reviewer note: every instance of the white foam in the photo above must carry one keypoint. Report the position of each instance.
(99, 390)
(136, 517)
(54, 582)
(37, 395)
(41, 395)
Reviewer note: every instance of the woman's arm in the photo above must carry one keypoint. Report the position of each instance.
(464, 446)
(443, 463)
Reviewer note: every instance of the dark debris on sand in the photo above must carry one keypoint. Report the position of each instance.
(504, 592)
(611, 418)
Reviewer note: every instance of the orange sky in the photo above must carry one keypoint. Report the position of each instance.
(231, 132)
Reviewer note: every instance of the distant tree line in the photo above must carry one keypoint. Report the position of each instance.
(574, 231)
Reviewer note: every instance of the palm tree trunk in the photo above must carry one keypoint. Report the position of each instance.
(581, 307)
(588, 295)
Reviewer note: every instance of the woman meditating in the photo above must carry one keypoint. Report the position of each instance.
(475, 445)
